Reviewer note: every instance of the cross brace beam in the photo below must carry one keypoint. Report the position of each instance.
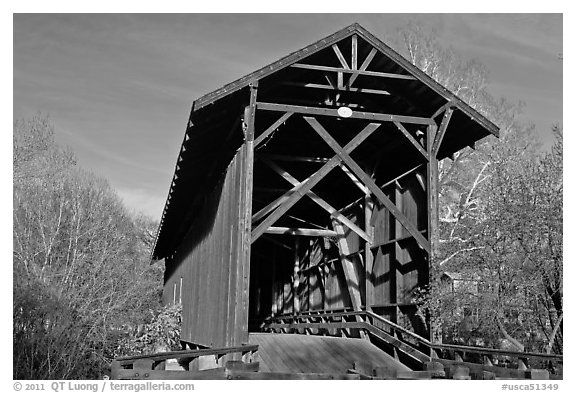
(319, 201)
(368, 182)
(288, 200)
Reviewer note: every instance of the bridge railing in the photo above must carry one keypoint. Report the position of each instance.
(404, 343)
(154, 366)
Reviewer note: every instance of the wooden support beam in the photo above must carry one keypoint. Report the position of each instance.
(282, 157)
(299, 191)
(350, 205)
(354, 52)
(272, 128)
(367, 180)
(433, 214)
(364, 65)
(277, 243)
(308, 110)
(368, 256)
(354, 179)
(337, 88)
(442, 109)
(340, 56)
(355, 72)
(441, 131)
(319, 201)
(239, 333)
(300, 231)
(421, 181)
(400, 259)
(296, 276)
(350, 274)
(413, 141)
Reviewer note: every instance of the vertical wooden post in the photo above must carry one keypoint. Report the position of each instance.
(368, 256)
(274, 285)
(296, 276)
(398, 256)
(433, 233)
(240, 334)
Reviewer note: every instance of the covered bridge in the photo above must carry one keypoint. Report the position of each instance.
(310, 187)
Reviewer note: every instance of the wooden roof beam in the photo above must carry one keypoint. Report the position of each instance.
(340, 56)
(309, 110)
(300, 232)
(364, 65)
(345, 88)
(442, 131)
(388, 75)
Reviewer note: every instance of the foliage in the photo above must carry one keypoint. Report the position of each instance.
(81, 262)
(500, 220)
(162, 333)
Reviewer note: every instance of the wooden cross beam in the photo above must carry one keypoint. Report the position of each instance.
(352, 279)
(297, 192)
(364, 65)
(354, 72)
(272, 128)
(340, 56)
(319, 201)
(350, 274)
(442, 131)
(413, 141)
(337, 88)
(368, 182)
(300, 231)
(354, 179)
(354, 52)
(310, 110)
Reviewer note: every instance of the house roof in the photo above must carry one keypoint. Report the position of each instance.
(213, 133)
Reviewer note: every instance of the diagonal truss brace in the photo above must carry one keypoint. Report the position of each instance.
(285, 202)
(368, 182)
(318, 200)
(442, 131)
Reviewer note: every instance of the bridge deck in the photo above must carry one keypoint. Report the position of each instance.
(297, 353)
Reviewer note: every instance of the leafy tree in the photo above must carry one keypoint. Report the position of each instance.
(500, 219)
(81, 262)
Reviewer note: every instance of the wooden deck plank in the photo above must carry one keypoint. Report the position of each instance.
(316, 354)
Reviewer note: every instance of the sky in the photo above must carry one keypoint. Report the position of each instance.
(119, 87)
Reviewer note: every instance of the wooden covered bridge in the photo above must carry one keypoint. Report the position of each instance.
(303, 217)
